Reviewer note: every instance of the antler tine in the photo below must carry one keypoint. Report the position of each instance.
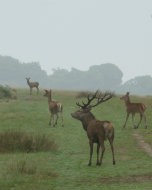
(103, 97)
(77, 103)
(90, 97)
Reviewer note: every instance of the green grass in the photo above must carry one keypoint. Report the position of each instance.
(66, 168)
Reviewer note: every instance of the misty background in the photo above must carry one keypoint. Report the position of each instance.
(78, 34)
(106, 76)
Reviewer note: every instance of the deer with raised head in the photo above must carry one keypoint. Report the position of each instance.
(133, 108)
(97, 131)
(55, 108)
(32, 85)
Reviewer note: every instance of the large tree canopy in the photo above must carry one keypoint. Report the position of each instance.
(104, 77)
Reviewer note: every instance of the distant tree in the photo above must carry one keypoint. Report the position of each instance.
(139, 85)
(13, 72)
(105, 76)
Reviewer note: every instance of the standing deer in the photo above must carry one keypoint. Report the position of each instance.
(32, 85)
(55, 107)
(97, 131)
(133, 108)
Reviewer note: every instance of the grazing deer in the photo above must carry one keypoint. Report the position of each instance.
(97, 131)
(55, 107)
(133, 108)
(32, 85)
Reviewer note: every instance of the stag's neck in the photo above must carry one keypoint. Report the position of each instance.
(86, 120)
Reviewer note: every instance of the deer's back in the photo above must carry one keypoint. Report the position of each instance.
(55, 107)
(136, 108)
(35, 83)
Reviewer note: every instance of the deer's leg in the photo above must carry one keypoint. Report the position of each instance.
(102, 151)
(133, 116)
(141, 116)
(98, 147)
(51, 119)
(56, 120)
(126, 120)
(112, 149)
(91, 152)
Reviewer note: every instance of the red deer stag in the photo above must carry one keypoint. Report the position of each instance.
(55, 107)
(97, 131)
(32, 85)
(133, 108)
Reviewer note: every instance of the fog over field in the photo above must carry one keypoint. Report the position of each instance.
(66, 34)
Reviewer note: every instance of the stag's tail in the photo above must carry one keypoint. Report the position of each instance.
(109, 130)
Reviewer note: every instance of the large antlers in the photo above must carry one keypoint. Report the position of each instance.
(99, 96)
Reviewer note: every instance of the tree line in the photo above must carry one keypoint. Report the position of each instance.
(104, 77)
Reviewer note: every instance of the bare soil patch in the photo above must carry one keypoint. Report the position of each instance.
(142, 144)
(127, 179)
(120, 179)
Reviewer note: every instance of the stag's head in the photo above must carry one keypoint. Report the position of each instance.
(92, 101)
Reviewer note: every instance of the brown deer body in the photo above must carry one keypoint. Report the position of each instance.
(133, 108)
(97, 131)
(32, 85)
(55, 108)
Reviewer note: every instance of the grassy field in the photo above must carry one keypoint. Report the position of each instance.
(65, 166)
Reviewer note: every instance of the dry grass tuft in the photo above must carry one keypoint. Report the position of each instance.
(20, 141)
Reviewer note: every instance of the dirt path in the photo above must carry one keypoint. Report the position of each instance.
(142, 144)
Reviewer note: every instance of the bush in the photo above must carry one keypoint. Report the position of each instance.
(5, 92)
(19, 141)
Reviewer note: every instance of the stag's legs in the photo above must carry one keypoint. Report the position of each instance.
(126, 120)
(112, 149)
(91, 152)
(102, 151)
(98, 147)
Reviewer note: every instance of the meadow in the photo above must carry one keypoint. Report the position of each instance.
(64, 165)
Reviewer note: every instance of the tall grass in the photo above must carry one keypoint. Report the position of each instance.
(21, 141)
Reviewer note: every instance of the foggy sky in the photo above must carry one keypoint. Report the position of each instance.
(79, 33)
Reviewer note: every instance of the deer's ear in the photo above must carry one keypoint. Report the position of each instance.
(45, 90)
